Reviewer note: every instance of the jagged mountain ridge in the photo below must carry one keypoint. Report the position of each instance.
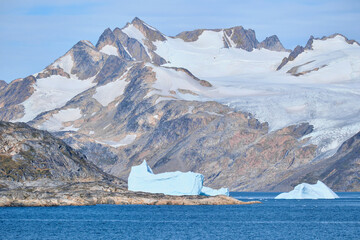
(117, 101)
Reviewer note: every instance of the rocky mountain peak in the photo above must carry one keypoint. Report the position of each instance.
(272, 43)
(107, 37)
(151, 33)
(242, 38)
(3, 84)
(137, 21)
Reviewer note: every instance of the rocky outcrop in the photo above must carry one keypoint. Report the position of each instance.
(87, 60)
(192, 36)
(237, 37)
(149, 32)
(50, 70)
(17, 91)
(3, 84)
(28, 154)
(13, 94)
(243, 38)
(240, 37)
(108, 38)
(272, 43)
(80, 194)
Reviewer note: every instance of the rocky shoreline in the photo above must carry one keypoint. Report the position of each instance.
(83, 194)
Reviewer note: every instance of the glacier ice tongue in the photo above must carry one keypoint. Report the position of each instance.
(214, 192)
(177, 183)
(309, 191)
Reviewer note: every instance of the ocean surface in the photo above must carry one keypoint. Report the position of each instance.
(273, 219)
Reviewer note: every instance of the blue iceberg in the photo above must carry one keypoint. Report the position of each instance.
(177, 183)
(214, 192)
(309, 191)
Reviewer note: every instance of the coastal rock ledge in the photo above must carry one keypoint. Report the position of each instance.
(82, 194)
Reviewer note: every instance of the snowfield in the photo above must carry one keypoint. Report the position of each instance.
(248, 81)
(110, 50)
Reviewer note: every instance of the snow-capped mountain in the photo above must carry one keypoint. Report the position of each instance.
(193, 101)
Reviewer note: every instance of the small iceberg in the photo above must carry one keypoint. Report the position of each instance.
(142, 178)
(214, 192)
(309, 191)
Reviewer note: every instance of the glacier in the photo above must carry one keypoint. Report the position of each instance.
(309, 191)
(142, 178)
(249, 82)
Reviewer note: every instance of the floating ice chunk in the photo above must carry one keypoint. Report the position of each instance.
(177, 183)
(309, 191)
(214, 192)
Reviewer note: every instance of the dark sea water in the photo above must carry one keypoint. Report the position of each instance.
(274, 219)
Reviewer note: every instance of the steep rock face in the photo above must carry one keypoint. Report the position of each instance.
(13, 94)
(146, 35)
(149, 32)
(113, 68)
(3, 84)
(340, 172)
(133, 46)
(28, 154)
(108, 39)
(87, 60)
(272, 43)
(243, 38)
(17, 91)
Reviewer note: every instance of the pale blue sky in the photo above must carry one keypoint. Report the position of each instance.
(35, 33)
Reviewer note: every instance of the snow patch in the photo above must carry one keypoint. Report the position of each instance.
(55, 122)
(107, 93)
(52, 92)
(66, 63)
(110, 50)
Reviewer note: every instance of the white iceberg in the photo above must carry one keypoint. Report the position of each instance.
(177, 183)
(309, 191)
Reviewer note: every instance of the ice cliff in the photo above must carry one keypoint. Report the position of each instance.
(309, 191)
(177, 183)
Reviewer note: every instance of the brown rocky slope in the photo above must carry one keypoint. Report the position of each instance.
(37, 169)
